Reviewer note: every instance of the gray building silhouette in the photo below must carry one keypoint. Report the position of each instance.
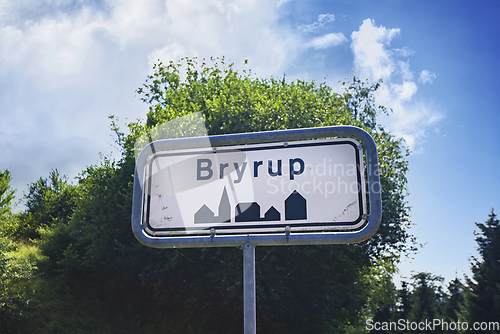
(206, 216)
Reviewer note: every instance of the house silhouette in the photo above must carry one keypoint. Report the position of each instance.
(295, 207)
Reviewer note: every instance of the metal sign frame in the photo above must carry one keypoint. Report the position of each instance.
(288, 236)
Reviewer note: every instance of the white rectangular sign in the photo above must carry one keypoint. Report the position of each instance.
(312, 185)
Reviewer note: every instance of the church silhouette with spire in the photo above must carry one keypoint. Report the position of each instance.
(295, 209)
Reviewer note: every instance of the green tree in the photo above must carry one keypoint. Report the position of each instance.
(426, 299)
(7, 219)
(404, 301)
(49, 202)
(482, 295)
(17, 266)
(6, 194)
(383, 297)
(232, 103)
(453, 303)
(320, 289)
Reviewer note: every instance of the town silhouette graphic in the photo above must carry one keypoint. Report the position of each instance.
(295, 209)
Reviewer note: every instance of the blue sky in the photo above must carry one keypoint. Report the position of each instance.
(66, 65)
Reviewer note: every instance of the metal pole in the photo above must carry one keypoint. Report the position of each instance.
(249, 300)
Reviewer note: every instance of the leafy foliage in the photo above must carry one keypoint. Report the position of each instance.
(420, 301)
(50, 202)
(453, 302)
(359, 98)
(426, 297)
(6, 194)
(8, 222)
(230, 103)
(383, 298)
(18, 265)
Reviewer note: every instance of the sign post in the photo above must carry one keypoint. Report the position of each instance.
(290, 187)
(249, 295)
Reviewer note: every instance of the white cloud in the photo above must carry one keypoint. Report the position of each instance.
(426, 77)
(325, 41)
(50, 46)
(404, 52)
(170, 51)
(404, 69)
(64, 67)
(375, 60)
(322, 20)
(63, 43)
(405, 91)
(370, 53)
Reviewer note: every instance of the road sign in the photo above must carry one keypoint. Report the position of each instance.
(280, 187)
(312, 185)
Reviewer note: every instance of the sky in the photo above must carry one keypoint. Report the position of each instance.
(66, 65)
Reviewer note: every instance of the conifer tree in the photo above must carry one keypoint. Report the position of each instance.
(482, 296)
